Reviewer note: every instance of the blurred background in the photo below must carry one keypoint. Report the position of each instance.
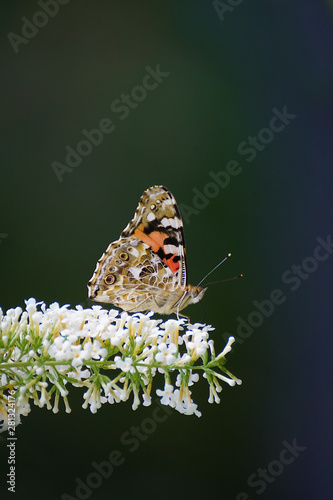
(223, 70)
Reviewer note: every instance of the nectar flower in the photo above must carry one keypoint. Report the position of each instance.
(114, 355)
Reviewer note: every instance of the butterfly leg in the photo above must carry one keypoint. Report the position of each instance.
(184, 316)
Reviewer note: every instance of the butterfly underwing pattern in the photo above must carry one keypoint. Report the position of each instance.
(145, 269)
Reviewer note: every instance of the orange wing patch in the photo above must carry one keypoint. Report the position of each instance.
(173, 265)
(154, 239)
(156, 242)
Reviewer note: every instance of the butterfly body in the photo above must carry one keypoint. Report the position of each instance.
(145, 269)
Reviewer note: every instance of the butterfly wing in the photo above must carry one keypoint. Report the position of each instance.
(131, 276)
(145, 269)
(158, 223)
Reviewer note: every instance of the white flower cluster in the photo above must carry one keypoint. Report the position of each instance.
(43, 351)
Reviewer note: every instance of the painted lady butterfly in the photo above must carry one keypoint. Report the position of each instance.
(145, 269)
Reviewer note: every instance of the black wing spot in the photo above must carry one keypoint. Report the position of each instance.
(171, 240)
(160, 252)
(152, 226)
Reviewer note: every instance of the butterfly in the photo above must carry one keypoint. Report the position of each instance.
(145, 269)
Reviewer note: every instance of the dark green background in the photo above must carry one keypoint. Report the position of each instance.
(225, 79)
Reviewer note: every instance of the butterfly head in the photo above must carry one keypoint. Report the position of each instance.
(195, 293)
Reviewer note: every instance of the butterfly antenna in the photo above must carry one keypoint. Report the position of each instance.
(218, 265)
(227, 279)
